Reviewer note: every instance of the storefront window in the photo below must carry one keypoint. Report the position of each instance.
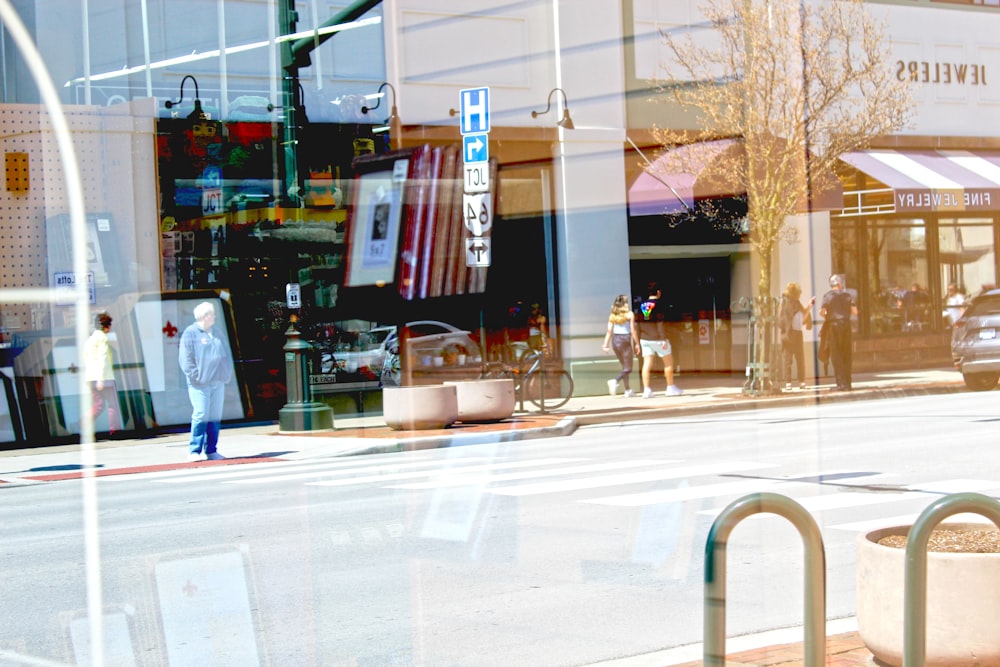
(898, 277)
(967, 261)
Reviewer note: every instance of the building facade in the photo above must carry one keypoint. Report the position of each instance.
(224, 148)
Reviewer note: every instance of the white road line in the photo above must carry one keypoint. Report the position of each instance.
(368, 479)
(723, 489)
(927, 491)
(458, 478)
(694, 492)
(628, 478)
(905, 520)
(323, 467)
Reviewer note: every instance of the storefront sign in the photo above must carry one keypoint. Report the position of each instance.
(945, 200)
(923, 71)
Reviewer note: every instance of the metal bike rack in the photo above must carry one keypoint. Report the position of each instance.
(915, 582)
(714, 652)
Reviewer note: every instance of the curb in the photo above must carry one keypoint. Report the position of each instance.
(739, 403)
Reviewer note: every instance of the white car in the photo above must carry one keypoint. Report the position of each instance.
(435, 351)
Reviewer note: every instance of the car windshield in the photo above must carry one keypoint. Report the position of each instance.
(989, 305)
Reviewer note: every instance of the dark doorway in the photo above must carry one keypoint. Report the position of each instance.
(696, 292)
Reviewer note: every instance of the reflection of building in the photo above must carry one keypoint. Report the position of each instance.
(577, 219)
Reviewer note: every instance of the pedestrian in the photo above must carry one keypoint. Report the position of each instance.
(836, 310)
(955, 303)
(207, 364)
(538, 329)
(793, 318)
(623, 338)
(98, 362)
(653, 342)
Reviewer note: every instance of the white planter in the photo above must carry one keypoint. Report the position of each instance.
(963, 602)
(417, 408)
(484, 400)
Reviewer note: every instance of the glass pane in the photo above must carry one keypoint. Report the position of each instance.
(899, 277)
(968, 263)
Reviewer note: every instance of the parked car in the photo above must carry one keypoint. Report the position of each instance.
(435, 351)
(365, 359)
(975, 342)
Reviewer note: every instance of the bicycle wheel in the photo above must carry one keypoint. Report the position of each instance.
(391, 374)
(549, 388)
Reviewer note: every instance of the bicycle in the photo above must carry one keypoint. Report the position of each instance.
(543, 381)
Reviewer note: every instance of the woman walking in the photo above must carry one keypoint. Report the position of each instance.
(793, 318)
(623, 338)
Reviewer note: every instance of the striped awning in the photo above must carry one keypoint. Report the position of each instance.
(929, 181)
(683, 176)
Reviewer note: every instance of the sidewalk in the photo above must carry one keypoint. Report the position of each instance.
(354, 435)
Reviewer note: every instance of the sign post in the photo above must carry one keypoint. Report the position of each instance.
(477, 204)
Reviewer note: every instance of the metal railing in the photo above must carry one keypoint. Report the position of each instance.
(915, 582)
(814, 647)
(714, 647)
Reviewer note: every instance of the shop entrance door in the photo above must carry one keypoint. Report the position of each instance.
(696, 292)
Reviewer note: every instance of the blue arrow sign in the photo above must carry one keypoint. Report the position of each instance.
(476, 148)
(475, 105)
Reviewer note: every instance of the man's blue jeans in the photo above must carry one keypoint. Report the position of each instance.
(206, 416)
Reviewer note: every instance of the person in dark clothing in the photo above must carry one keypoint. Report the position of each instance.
(653, 341)
(915, 303)
(837, 309)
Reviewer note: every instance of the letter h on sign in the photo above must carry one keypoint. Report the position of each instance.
(475, 110)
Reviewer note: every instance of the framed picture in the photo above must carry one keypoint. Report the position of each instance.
(375, 217)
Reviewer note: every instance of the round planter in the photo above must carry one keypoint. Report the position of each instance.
(963, 602)
(419, 408)
(484, 400)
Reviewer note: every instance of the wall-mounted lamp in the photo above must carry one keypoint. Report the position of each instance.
(198, 113)
(393, 124)
(393, 111)
(564, 122)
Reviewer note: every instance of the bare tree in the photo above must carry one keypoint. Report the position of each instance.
(791, 85)
(796, 83)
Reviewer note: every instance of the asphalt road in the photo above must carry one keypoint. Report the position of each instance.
(564, 551)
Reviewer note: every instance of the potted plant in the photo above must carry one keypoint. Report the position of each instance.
(453, 354)
(962, 594)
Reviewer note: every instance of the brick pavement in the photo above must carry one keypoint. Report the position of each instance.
(843, 650)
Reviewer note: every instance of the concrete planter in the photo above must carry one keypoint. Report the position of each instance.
(422, 407)
(963, 602)
(484, 400)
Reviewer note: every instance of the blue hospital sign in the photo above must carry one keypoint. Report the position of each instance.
(475, 107)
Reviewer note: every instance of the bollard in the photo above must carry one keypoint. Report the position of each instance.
(300, 412)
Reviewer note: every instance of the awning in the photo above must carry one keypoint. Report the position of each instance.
(672, 188)
(686, 174)
(927, 181)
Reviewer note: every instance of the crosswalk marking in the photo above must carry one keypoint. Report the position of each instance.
(317, 468)
(459, 478)
(367, 479)
(693, 493)
(832, 501)
(816, 493)
(712, 490)
(905, 520)
(628, 478)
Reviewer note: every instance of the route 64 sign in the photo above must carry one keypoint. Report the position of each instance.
(477, 212)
